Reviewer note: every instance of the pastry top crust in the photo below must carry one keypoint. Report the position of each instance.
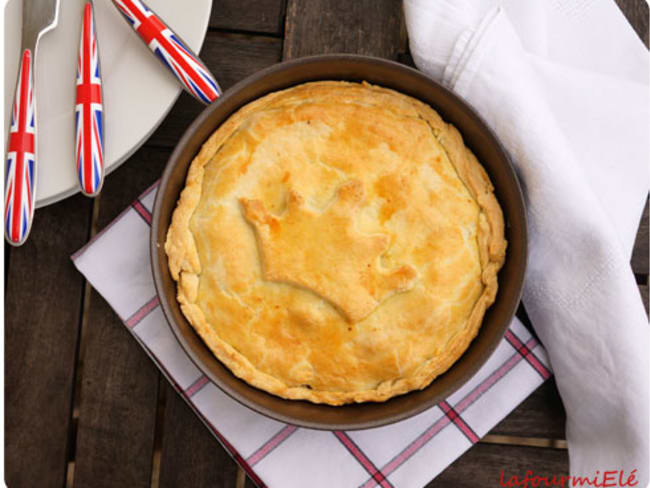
(336, 242)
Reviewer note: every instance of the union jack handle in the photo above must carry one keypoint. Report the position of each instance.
(174, 54)
(20, 179)
(89, 110)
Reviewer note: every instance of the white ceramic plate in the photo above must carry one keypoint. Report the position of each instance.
(138, 89)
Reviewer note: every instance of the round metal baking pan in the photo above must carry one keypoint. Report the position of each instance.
(477, 136)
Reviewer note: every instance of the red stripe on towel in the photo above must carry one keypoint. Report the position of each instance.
(455, 417)
(196, 386)
(359, 455)
(526, 351)
(271, 444)
(142, 211)
(142, 312)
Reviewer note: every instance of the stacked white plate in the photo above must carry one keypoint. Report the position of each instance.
(138, 89)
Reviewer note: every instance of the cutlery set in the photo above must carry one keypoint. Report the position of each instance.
(39, 17)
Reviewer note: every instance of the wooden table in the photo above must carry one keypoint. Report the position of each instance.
(75, 412)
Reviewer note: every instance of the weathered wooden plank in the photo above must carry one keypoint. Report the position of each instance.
(117, 408)
(407, 59)
(636, 12)
(540, 415)
(370, 27)
(231, 57)
(205, 464)
(243, 481)
(7, 256)
(483, 463)
(42, 309)
(119, 385)
(248, 15)
(640, 252)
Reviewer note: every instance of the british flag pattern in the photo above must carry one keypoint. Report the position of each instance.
(89, 111)
(21, 157)
(186, 66)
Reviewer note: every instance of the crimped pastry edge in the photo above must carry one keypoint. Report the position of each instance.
(184, 261)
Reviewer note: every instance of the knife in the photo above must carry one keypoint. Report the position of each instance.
(39, 17)
(186, 66)
(89, 110)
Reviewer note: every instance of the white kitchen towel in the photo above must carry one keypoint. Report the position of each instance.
(406, 454)
(564, 84)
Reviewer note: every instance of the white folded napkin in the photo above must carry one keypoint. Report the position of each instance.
(405, 454)
(564, 84)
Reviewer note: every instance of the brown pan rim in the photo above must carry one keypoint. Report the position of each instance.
(478, 137)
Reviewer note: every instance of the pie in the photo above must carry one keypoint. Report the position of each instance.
(336, 242)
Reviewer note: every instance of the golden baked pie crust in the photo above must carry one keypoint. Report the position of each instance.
(306, 269)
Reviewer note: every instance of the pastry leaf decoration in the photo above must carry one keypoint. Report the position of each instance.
(324, 253)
